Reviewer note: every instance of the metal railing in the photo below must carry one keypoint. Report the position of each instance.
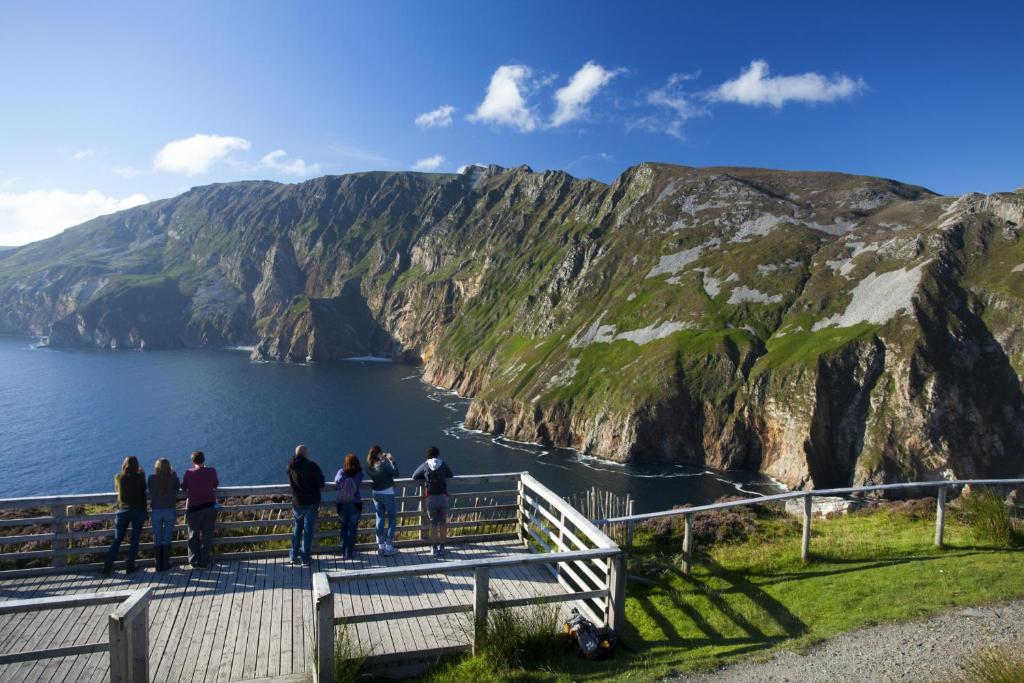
(128, 628)
(483, 508)
(943, 486)
(587, 564)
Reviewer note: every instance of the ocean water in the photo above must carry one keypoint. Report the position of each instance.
(68, 418)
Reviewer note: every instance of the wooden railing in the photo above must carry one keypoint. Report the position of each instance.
(128, 627)
(483, 508)
(587, 564)
(943, 486)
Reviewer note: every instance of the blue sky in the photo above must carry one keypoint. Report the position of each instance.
(107, 105)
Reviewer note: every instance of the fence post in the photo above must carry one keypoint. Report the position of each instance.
(138, 645)
(323, 607)
(422, 503)
(688, 544)
(119, 670)
(805, 541)
(481, 591)
(615, 612)
(520, 514)
(940, 517)
(59, 529)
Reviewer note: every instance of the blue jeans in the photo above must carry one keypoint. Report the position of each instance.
(305, 525)
(348, 515)
(122, 518)
(163, 525)
(384, 504)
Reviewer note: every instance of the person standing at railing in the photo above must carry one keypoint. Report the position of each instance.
(130, 485)
(200, 484)
(163, 491)
(434, 474)
(350, 504)
(383, 470)
(306, 480)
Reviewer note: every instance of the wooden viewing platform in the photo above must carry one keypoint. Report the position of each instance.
(255, 615)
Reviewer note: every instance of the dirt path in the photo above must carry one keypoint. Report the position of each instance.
(919, 651)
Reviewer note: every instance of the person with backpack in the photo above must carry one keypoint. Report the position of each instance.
(306, 480)
(434, 475)
(350, 503)
(383, 470)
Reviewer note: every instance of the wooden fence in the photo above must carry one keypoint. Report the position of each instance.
(128, 628)
(943, 486)
(587, 564)
(79, 527)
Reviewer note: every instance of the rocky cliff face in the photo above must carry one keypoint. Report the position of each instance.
(824, 328)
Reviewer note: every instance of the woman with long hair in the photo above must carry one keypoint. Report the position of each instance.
(350, 504)
(383, 470)
(130, 485)
(163, 491)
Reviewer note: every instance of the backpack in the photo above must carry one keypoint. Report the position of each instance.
(435, 481)
(347, 489)
(590, 641)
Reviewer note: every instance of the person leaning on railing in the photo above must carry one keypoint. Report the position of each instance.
(306, 479)
(163, 491)
(434, 475)
(130, 485)
(200, 484)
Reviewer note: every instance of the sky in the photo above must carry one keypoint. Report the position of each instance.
(107, 105)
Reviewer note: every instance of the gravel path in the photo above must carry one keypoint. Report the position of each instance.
(919, 651)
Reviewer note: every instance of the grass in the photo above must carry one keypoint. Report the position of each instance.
(749, 597)
(989, 518)
(992, 666)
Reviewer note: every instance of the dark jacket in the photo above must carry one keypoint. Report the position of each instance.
(164, 500)
(383, 475)
(434, 474)
(306, 480)
(131, 490)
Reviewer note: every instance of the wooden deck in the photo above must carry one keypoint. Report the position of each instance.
(251, 619)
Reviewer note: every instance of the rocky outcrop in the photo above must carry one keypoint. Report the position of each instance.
(826, 329)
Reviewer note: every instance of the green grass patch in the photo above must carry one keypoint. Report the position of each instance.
(805, 347)
(749, 596)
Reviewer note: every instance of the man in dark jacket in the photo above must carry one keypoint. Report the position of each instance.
(306, 480)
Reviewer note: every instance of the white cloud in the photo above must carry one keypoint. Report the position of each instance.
(296, 167)
(428, 164)
(572, 99)
(126, 171)
(196, 154)
(755, 87)
(676, 105)
(29, 216)
(505, 101)
(438, 118)
(83, 154)
(10, 181)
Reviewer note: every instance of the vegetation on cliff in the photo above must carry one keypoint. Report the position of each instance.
(824, 328)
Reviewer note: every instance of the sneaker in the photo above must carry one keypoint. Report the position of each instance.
(293, 560)
(435, 550)
(388, 550)
(381, 547)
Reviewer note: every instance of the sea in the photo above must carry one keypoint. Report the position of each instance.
(69, 417)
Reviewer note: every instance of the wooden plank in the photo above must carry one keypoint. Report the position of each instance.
(585, 526)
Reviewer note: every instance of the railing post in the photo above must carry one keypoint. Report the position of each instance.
(805, 541)
(138, 645)
(687, 544)
(481, 591)
(119, 672)
(940, 516)
(520, 513)
(59, 529)
(422, 518)
(615, 611)
(323, 608)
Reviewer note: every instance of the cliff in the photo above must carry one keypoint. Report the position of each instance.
(826, 329)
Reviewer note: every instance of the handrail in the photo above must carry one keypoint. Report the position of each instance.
(803, 494)
(234, 491)
(428, 568)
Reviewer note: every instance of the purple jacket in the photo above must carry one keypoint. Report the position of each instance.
(200, 483)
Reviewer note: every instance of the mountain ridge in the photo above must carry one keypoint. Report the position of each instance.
(824, 328)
